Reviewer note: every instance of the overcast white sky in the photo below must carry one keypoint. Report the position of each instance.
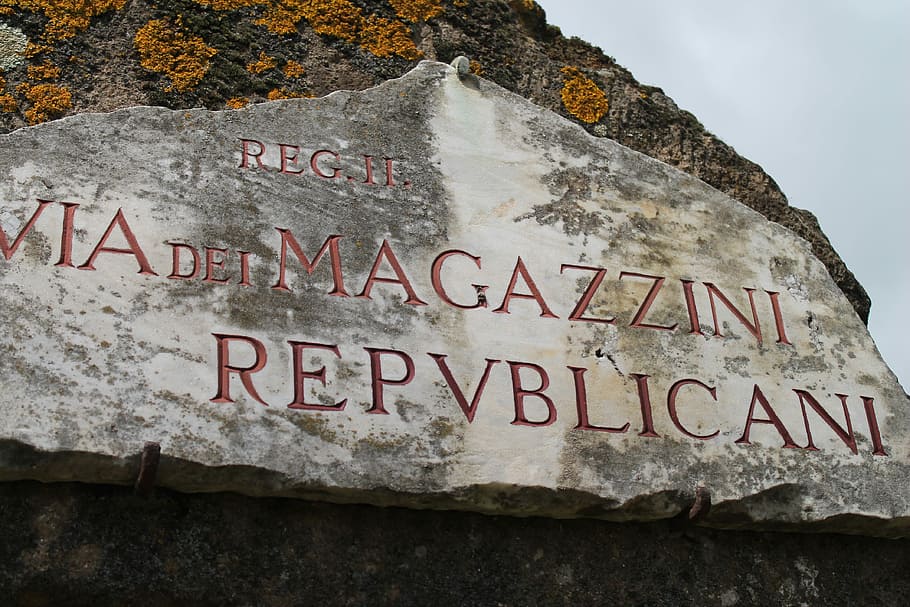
(817, 93)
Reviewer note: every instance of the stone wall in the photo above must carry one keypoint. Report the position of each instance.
(74, 544)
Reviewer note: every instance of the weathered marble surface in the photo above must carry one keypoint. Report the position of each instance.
(103, 350)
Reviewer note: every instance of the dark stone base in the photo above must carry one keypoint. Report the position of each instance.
(72, 544)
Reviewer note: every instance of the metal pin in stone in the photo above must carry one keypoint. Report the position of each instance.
(461, 64)
(148, 469)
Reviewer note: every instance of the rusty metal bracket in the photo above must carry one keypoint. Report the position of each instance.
(148, 469)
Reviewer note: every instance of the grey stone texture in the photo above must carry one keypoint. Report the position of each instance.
(107, 351)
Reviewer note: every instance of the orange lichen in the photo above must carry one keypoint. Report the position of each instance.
(47, 101)
(66, 18)
(6, 10)
(7, 103)
(475, 67)
(228, 5)
(345, 20)
(169, 50)
(292, 69)
(45, 71)
(236, 103)
(262, 64)
(384, 37)
(582, 97)
(33, 50)
(460, 3)
(338, 18)
(276, 94)
(280, 19)
(416, 10)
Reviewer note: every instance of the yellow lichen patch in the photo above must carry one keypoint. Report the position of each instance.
(582, 97)
(66, 18)
(7, 103)
(179, 55)
(416, 10)
(228, 5)
(460, 3)
(276, 94)
(280, 19)
(33, 50)
(47, 101)
(236, 103)
(384, 37)
(292, 69)
(338, 18)
(4, 11)
(262, 64)
(475, 67)
(45, 71)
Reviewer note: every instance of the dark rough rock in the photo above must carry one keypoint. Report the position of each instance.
(71, 544)
(510, 41)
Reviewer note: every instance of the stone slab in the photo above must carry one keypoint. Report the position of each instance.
(431, 294)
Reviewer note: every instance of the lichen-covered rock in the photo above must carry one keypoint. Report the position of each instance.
(106, 62)
(432, 293)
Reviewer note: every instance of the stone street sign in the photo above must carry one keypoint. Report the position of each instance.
(430, 294)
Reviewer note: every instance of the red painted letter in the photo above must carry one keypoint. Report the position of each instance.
(377, 381)
(436, 278)
(519, 393)
(134, 248)
(869, 405)
(283, 150)
(690, 307)
(646, 304)
(245, 153)
(330, 245)
(588, 295)
(225, 368)
(66, 237)
(300, 376)
(468, 409)
(175, 267)
(671, 406)
(520, 269)
(752, 327)
(773, 419)
(581, 404)
(211, 263)
(314, 164)
(385, 251)
(845, 435)
(778, 318)
(9, 249)
(644, 400)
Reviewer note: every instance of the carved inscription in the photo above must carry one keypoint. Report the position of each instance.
(659, 303)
